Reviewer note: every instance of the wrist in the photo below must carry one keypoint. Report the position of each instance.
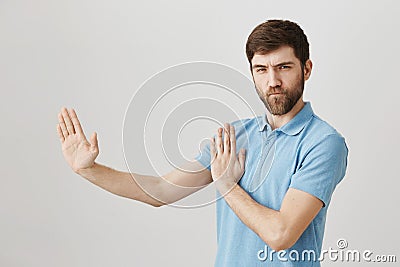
(224, 187)
(87, 171)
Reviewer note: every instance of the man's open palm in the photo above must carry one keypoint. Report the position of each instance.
(78, 152)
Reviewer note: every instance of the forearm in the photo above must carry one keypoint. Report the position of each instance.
(81, 154)
(121, 183)
(267, 223)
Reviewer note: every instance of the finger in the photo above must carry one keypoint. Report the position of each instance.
(60, 133)
(220, 149)
(93, 141)
(233, 141)
(62, 125)
(67, 120)
(213, 152)
(227, 143)
(75, 122)
(242, 157)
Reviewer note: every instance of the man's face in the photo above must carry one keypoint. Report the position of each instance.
(279, 79)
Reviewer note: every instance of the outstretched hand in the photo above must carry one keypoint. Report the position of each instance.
(226, 167)
(77, 151)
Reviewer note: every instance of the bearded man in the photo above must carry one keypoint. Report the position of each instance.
(275, 174)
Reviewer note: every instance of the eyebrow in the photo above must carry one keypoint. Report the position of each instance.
(277, 65)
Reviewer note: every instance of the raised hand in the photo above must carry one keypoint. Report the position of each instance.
(77, 151)
(226, 167)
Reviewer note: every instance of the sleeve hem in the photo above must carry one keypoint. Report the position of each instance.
(325, 202)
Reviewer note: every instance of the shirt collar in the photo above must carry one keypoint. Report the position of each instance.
(295, 125)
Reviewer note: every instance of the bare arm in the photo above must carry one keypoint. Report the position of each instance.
(80, 155)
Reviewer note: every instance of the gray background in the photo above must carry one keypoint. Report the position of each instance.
(93, 55)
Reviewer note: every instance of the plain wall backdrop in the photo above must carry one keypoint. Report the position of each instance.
(93, 56)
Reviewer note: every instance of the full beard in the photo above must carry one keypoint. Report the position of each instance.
(283, 102)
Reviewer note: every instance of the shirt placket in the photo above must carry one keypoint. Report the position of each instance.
(265, 160)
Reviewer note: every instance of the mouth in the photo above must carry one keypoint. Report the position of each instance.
(275, 94)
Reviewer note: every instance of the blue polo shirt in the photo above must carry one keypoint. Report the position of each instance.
(306, 154)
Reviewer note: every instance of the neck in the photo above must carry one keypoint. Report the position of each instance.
(277, 121)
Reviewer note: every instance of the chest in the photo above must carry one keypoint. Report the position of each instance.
(271, 161)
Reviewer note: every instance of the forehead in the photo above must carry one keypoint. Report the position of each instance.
(282, 54)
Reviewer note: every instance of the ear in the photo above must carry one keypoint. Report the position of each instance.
(307, 69)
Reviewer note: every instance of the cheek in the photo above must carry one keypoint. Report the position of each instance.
(261, 89)
(291, 80)
(260, 82)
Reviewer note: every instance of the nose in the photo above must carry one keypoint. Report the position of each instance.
(274, 79)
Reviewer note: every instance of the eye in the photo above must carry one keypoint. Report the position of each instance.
(284, 67)
(261, 70)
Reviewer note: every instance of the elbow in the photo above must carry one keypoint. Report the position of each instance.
(279, 240)
(157, 204)
(278, 246)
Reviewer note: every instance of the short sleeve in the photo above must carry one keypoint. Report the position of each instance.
(322, 168)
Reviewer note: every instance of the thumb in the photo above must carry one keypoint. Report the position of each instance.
(93, 140)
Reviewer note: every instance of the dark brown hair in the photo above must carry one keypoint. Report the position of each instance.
(273, 34)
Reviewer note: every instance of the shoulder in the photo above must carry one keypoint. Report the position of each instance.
(321, 128)
(319, 134)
